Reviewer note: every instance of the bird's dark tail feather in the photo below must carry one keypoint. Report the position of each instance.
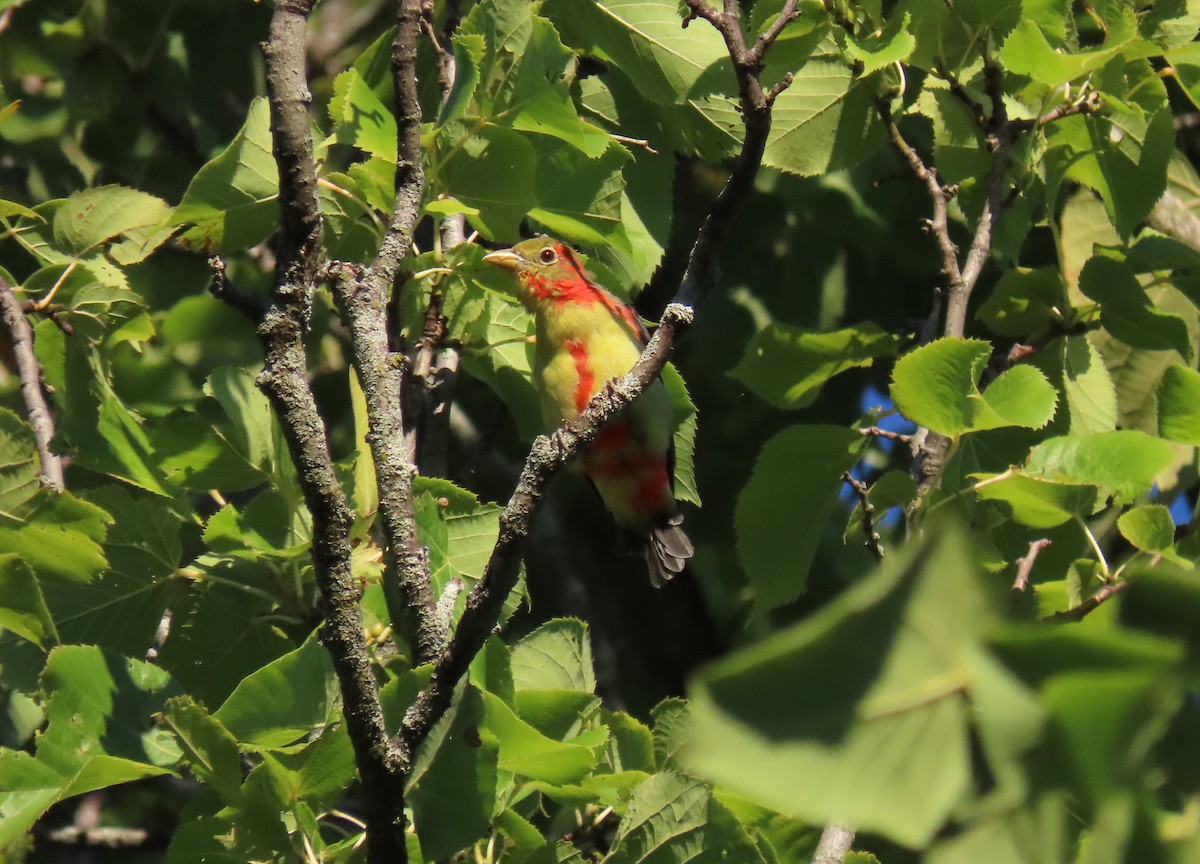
(668, 550)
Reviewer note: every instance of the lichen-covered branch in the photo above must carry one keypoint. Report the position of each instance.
(550, 454)
(30, 371)
(284, 379)
(362, 296)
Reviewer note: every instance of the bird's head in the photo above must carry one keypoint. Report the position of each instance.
(546, 270)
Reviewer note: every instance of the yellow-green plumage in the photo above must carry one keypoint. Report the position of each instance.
(585, 338)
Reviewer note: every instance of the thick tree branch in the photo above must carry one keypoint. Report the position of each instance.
(31, 387)
(834, 845)
(550, 454)
(284, 379)
(363, 298)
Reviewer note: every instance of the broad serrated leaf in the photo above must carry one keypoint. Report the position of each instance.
(211, 752)
(1124, 462)
(685, 436)
(89, 218)
(1090, 394)
(1127, 312)
(782, 511)
(936, 385)
(493, 172)
(556, 656)
(23, 609)
(675, 819)
(19, 466)
(525, 751)
(284, 701)
(644, 38)
(825, 121)
(360, 118)
(1149, 528)
(1179, 405)
(1037, 502)
(577, 198)
(452, 789)
(787, 366)
(1024, 301)
(230, 203)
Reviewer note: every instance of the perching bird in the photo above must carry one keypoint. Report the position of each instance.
(585, 338)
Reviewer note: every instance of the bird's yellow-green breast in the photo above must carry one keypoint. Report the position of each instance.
(585, 338)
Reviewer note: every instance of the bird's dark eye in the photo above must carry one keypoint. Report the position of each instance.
(547, 256)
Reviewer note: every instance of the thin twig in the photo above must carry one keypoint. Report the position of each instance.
(1106, 593)
(1025, 564)
(834, 845)
(868, 514)
(877, 432)
(253, 306)
(550, 454)
(30, 372)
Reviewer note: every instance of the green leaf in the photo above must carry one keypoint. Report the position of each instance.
(93, 216)
(231, 201)
(936, 386)
(630, 744)
(674, 818)
(283, 701)
(686, 426)
(525, 751)
(1125, 310)
(552, 113)
(360, 118)
(453, 787)
(1179, 405)
(57, 535)
(491, 171)
(1091, 396)
(19, 466)
(556, 656)
(1129, 173)
(644, 38)
(672, 718)
(1124, 462)
(787, 366)
(577, 198)
(1024, 301)
(223, 631)
(782, 512)
(891, 44)
(882, 684)
(1162, 603)
(121, 609)
(825, 121)
(1020, 396)
(1037, 502)
(100, 733)
(23, 610)
(1148, 528)
(211, 752)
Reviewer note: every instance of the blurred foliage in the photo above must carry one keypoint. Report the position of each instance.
(158, 648)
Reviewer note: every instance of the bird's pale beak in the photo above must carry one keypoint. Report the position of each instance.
(506, 258)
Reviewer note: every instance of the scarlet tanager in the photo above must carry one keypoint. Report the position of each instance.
(585, 338)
